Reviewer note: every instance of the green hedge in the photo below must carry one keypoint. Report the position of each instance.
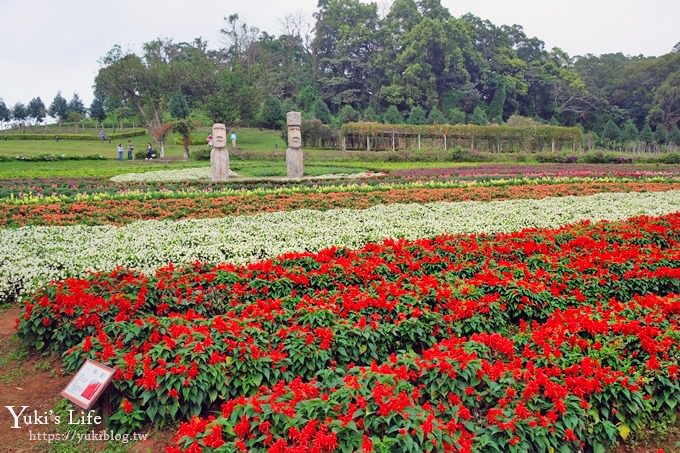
(50, 158)
(33, 136)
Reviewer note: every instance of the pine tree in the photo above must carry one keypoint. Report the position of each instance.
(479, 116)
(661, 134)
(436, 116)
(630, 132)
(97, 109)
(58, 108)
(321, 111)
(674, 136)
(19, 112)
(271, 113)
(37, 110)
(178, 106)
(348, 114)
(370, 115)
(495, 111)
(647, 135)
(5, 113)
(417, 115)
(75, 105)
(611, 131)
(456, 116)
(392, 116)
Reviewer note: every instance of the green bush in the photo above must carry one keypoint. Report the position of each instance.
(602, 158)
(50, 158)
(202, 153)
(77, 137)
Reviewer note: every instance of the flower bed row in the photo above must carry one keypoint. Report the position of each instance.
(524, 341)
(32, 256)
(124, 211)
(52, 190)
(540, 171)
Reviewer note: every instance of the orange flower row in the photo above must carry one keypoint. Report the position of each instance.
(121, 212)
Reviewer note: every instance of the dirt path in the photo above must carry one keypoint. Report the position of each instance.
(35, 381)
(25, 380)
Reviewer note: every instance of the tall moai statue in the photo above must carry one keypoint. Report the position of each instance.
(219, 155)
(294, 155)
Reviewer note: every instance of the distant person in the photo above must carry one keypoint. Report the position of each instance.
(102, 135)
(130, 149)
(120, 151)
(210, 141)
(149, 151)
(233, 139)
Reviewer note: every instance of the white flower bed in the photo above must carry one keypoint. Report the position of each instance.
(186, 174)
(193, 174)
(31, 256)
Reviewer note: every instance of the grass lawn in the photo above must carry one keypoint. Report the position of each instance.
(109, 168)
(248, 139)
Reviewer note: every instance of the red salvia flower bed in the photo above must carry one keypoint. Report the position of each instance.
(534, 340)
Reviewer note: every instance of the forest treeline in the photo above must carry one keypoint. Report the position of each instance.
(412, 63)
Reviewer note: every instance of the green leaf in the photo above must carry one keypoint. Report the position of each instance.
(624, 431)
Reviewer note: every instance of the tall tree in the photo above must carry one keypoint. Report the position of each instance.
(343, 47)
(417, 115)
(611, 132)
(665, 108)
(321, 111)
(59, 107)
(144, 83)
(630, 132)
(36, 110)
(19, 112)
(479, 116)
(178, 106)
(436, 116)
(5, 113)
(271, 113)
(97, 110)
(392, 115)
(497, 103)
(184, 128)
(76, 105)
(661, 134)
(646, 135)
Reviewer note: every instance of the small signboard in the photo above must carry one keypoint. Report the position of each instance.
(88, 384)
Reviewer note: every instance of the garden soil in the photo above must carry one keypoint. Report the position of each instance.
(36, 381)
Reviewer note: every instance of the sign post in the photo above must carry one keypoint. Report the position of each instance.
(88, 384)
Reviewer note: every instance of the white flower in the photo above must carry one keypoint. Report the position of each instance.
(31, 256)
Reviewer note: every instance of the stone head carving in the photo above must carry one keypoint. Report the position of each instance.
(294, 120)
(219, 133)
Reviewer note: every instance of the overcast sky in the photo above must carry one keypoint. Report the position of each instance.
(55, 45)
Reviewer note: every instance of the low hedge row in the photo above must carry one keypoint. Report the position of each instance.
(50, 158)
(76, 137)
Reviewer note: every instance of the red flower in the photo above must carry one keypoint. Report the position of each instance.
(242, 428)
(569, 435)
(366, 444)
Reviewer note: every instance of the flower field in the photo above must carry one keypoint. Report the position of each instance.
(540, 171)
(122, 210)
(32, 256)
(476, 309)
(541, 339)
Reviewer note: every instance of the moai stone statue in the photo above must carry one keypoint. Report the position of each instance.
(294, 156)
(219, 155)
